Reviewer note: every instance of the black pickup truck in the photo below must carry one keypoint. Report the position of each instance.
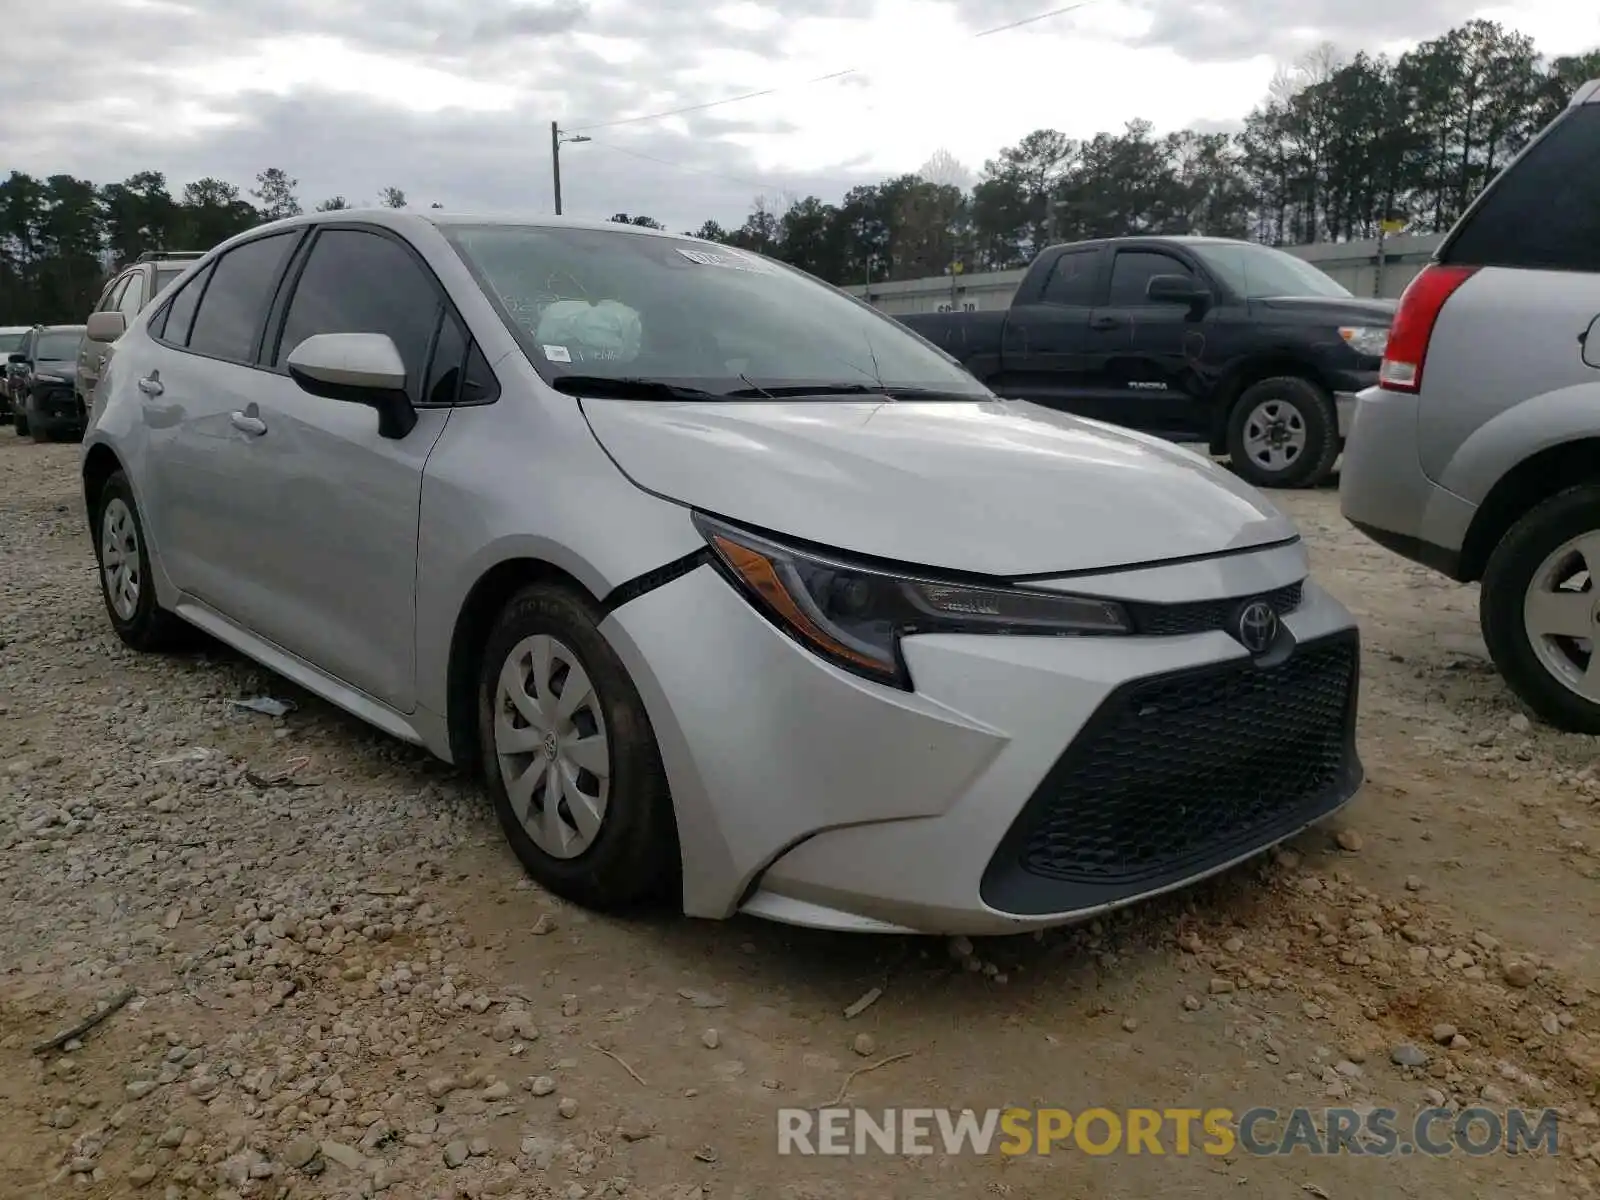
(1234, 344)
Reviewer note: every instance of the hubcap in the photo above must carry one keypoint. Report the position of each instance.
(550, 739)
(1561, 613)
(119, 558)
(1274, 435)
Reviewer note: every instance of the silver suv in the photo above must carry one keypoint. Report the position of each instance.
(135, 286)
(1478, 452)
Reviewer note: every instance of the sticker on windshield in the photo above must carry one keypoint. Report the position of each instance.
(557, 353)
(728, 259)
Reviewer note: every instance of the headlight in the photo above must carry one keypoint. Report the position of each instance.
(854, 615)
(46, 377)
(1365, 339)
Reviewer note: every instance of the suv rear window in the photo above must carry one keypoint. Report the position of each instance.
(1543, 212)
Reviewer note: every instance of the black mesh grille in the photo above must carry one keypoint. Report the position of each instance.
(1181, 772)
(1170, 620)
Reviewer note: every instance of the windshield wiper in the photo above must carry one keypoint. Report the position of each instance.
(628, 388)
(820, 390)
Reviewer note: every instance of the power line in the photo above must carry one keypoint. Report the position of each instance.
(694, 108)
(678, 166)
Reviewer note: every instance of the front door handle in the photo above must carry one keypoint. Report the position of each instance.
(150, 385)
(245, 423)
(1104, 323)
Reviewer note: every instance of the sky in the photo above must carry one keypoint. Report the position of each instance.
(451, 100)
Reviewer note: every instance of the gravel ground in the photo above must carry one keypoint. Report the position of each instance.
(341, 985)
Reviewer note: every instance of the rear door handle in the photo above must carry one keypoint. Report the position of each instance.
(150, 385)
(245, 423)
(1104, 323)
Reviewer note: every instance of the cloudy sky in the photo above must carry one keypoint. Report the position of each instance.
(451, 100)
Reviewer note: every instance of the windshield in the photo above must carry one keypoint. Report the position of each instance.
(58, 345)
(166, 276)
(1259, 272)
(10, 343)
(623, 305)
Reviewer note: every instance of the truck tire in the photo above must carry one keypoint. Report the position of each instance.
(1283, 432)
(1537, 646)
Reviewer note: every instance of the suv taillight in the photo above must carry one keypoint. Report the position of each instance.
(1413, 325)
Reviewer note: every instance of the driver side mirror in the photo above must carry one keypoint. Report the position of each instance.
(105, 326)
(357, 368)
(1176, 289)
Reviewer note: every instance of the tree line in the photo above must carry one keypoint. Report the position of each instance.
(1338, 147)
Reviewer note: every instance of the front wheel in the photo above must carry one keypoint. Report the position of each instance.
(19, 419)
(1539, 608)
(1284, 433)
(570, 757)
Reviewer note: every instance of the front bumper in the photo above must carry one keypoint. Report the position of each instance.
(1384, 492)
(56, 408)
(1027, 782)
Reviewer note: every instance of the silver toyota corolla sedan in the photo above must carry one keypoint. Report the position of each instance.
(731, 587)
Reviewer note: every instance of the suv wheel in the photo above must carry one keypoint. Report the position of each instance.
(125, 579)
(569, 755)
(19, 419)
(1540, 609)
(1284, 433)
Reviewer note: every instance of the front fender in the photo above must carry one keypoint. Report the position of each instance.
(1517, 434)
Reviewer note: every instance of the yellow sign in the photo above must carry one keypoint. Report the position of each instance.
(956, 268)
(1392, 225)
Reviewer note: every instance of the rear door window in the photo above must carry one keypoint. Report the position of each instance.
(1543, 212)
(1072, 280)
(233, 311)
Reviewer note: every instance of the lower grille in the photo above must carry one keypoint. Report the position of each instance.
(1181, 773)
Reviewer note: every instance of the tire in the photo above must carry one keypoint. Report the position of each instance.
(19, 421)
(38, 430)
(1522, 559)
(632, 856)
(144, 625)
(1309, 412)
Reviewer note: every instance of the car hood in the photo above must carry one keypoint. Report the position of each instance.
(1332, 309)
(999, 488)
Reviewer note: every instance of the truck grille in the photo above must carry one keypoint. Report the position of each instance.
(1181, 773)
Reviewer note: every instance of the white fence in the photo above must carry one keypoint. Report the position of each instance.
(1354, 264)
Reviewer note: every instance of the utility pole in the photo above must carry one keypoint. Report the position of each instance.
(556, 138)
(555, 163)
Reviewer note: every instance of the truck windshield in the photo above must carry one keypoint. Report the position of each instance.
(1260, 272)
(641, 309)
(59, 346)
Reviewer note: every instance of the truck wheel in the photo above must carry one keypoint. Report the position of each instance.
(1284, 433)
(1539, 608)
(19, 420)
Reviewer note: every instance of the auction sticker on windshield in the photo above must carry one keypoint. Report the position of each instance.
(733, 262)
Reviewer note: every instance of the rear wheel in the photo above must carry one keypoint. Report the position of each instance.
(125, 578)
(1539, 608)
(1284, 433)
(570, 757)
(19, 421)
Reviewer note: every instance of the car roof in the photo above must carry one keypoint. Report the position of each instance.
(62, 328)
(403, 218)
(15, 328)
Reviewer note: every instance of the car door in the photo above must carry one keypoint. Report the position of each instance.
(91, 354)
(1144, 349)
(335, 539)
(1045, 343)
(202, 521)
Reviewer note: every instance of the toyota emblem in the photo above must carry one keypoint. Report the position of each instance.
(1257, 626)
